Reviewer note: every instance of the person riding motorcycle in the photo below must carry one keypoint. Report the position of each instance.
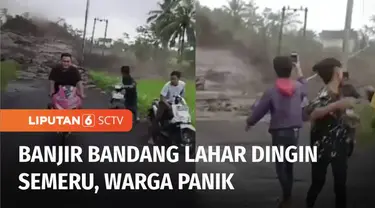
(171, 89)
(65, 74)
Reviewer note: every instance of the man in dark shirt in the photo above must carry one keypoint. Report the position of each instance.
(131, 97)
(65, 74)
(329, 132)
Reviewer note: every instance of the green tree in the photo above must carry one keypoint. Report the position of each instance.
(174, 24)
(236, 9)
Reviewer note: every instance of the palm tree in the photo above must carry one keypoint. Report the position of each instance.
(236, 9)
(174, 21)
(164, 14)
(250, 14)
(165, 9)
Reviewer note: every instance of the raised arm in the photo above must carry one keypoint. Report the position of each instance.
(260, 109)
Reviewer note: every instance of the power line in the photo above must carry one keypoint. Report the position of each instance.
(283, 14)
(96, 19)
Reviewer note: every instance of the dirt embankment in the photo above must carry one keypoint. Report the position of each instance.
(229, 85)
(36, 55)
(37, 44)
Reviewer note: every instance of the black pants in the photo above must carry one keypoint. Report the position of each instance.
(133, 107)
(352, 134)
(318, 173)
(162, 113)
(284, 169)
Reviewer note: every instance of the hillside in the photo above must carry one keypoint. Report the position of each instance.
(235, 48)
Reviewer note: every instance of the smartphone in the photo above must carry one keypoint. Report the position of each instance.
(294, 57)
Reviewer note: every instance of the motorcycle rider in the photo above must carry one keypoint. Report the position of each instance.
(171, 89)
(65, 74)
(131, 97)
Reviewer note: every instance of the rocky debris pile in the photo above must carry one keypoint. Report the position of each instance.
(217, 76)
(200, 83)
(212, 76)
(220, 102)
(228, 106)
(35, 54)
(223, 80)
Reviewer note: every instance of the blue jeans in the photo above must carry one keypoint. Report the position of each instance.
(284, 170)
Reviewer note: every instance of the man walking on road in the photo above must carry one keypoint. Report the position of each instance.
(329, 132)
(284, 102)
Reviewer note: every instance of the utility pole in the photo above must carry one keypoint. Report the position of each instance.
(347, 33)
(92, 35)
(2, 13)
(281, 30)
(283, 14)
(93, 31)
(105, 36)
(305, 23)
(84, 31)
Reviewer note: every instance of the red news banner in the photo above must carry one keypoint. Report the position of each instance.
(66, 120)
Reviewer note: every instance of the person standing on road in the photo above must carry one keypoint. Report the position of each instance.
(131, 96)
(329, 132)
(284, 101)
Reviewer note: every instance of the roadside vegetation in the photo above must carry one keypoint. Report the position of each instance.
(8, 72)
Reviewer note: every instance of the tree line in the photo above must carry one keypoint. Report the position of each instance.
(252, 33)
(168, 32)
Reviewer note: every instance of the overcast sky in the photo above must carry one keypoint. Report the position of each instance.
(123, 15)
(322, 15)
(126, 15)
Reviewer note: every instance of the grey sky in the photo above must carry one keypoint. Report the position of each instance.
(123, 15)
(322, 15)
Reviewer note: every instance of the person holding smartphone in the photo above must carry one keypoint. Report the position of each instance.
(284, 101)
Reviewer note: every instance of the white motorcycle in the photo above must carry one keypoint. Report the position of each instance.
(118, 97)
(177, 129)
